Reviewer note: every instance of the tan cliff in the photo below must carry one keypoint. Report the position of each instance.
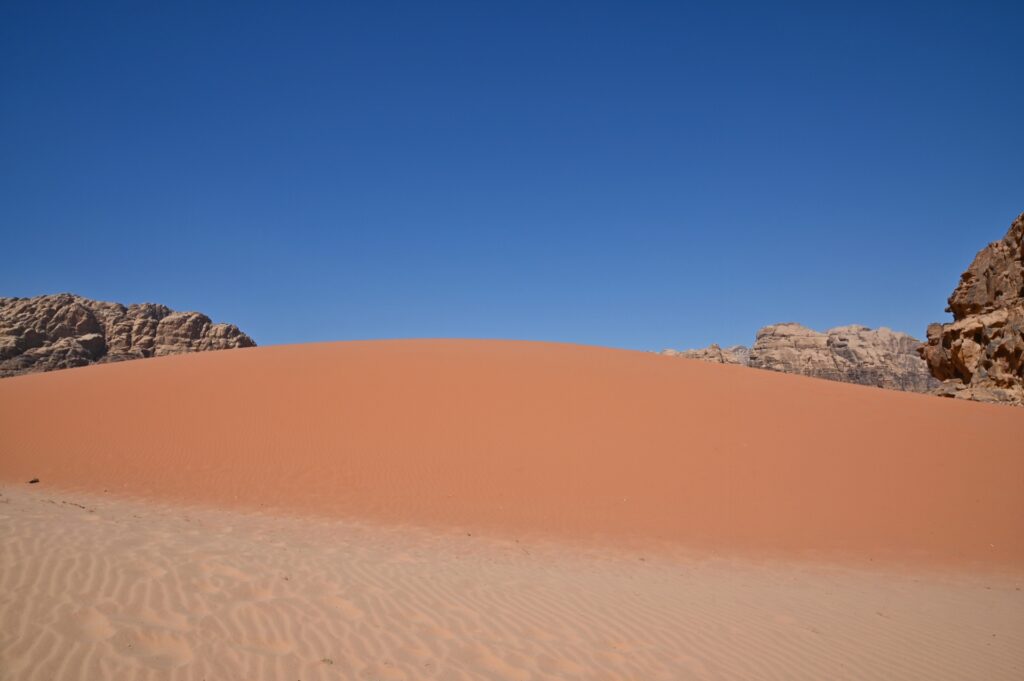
(64, 330)
(851, 354)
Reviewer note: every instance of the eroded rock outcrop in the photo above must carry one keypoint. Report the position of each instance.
(737, 354)
(64, 330)
(852, 354)
(980, 355)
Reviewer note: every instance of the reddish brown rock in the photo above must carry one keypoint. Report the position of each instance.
(851, 354)
(64, 331)
(980, 355)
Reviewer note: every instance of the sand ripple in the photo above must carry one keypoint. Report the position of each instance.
(129, 590)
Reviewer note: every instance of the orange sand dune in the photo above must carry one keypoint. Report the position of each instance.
(513, 437)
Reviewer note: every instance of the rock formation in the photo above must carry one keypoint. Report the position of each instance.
(737, 354)
(852, 354)
(64, 330)
(980, 355)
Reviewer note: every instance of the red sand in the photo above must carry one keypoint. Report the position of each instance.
(534, 437)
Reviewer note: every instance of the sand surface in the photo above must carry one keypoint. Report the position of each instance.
(517, 438)
(97, 588)
(499, 510)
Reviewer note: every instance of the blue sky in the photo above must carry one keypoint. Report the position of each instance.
(640, 175)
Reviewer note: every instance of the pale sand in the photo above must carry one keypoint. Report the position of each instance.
(470, 509)
(96, 588)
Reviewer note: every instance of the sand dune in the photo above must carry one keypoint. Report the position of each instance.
(516, 439)
(494, 510)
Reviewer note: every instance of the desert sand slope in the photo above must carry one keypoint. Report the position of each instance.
(504, 511)
(518, 438)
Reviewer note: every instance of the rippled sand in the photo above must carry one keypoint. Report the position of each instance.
(97, 588)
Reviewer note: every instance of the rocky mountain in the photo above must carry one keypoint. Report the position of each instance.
(64, 330)
(980, 355)
(852, 354)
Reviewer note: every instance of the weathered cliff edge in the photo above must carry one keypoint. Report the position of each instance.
(980, 355)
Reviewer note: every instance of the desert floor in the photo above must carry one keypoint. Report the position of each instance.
(98, 588)
(499, 510)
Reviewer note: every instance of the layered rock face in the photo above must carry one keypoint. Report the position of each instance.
(852, 354)
(64, 330)
(980, 356)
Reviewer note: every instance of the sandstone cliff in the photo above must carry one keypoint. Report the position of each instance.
(980, 355)
(852, 354)
(64, 330)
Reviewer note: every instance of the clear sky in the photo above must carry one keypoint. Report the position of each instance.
(641, 175)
